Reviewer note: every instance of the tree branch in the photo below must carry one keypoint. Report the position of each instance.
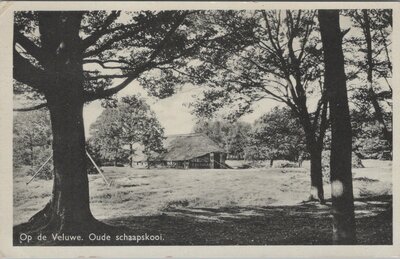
(145, 66)
(103, 63)
(25, 72)
(31, 48)
(32, 108)
(87, 42)
(128, 34)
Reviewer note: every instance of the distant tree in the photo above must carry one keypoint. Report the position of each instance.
(107, 134)
(237, 140)
(94, 151)
(374, 67)
(341, 143)
(368, 140)
(32, 137)
(124, 123)
(277, 135)
(232, 136)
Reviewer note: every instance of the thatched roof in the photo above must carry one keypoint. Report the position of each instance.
(184, 147)
(188, 146)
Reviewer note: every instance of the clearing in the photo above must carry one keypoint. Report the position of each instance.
(233, 206)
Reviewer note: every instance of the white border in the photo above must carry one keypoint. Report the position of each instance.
(6, 248)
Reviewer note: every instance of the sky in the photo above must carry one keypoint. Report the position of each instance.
(172, 112)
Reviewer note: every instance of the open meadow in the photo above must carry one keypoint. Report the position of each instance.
(216, 206)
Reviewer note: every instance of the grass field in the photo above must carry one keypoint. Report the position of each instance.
(215, 199)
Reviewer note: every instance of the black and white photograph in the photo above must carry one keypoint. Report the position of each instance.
(202, 127)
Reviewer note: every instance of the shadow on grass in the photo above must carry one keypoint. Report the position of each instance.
(303, 224)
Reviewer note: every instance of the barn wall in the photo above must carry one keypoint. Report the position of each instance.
(197, 162)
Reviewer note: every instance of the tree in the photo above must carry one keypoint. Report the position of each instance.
(125, 123)
(368, 140)
(32, 137)
(232, 136)
(376, 64)
(341, 143)
(280, 60)
(69, 58)
(278, 135)
(107, 135)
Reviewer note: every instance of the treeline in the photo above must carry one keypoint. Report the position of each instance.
(275, 135)
(124, 125)
(278, 135)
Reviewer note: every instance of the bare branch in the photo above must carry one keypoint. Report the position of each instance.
(107, 76)
(103, 63)
(344, 32)
(32, 108)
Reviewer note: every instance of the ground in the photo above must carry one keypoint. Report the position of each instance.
(216, 206)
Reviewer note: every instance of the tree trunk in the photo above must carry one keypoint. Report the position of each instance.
(314, 148)
(371, 93)
(317, 187)
(340, 163)
(70, 201)
(68, 210)
(131, 155)
(32, 158)
(271, 162)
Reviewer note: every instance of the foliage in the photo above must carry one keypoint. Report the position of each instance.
(368, 140)
(355, 45)
(46, 172)
(32, 137)
(370, 69)
(94, 151)
(129, 121)
(232, 136)
(112, 45)
(276, 135)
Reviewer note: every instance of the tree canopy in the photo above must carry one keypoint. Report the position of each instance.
(114, 47)
(233, 137)
(32, 137)
(276, 135)
(126, 122)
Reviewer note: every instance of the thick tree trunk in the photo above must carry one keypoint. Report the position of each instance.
(341, 175)
(271, 162)
(69, 208)
(371, 92)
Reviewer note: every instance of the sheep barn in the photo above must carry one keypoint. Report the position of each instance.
(195, 150)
